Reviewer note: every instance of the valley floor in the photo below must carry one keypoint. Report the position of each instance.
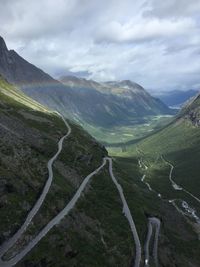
(112, 137)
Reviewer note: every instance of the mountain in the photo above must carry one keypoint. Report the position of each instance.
(127, 93)
(116, 103)
(89, 234)
(191, 110)
(176, 98)
(29, 139)
(169, 159)
(87, 102)
(18, 71)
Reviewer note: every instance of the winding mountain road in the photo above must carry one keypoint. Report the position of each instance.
(147, 244)
(141, 163)
(176, 186)
(70, 205)
(191, 212)
(8, 244)
(156, 222)
(153, 222)
(52, 223)
(128, 215)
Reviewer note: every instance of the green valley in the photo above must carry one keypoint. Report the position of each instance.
(95, 232)
(169, 159)
(116, 135)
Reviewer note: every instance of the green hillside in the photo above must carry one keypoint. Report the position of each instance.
(29, 136)
(176, 144)
(95, 233)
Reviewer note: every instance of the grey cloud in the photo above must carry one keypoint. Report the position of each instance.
(154, 43)
(144, 30)
(172, 8)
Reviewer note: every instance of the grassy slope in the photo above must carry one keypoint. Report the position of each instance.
(95, 233)
(179, 144)
(26, 144)
(178, 243)
(113, 136)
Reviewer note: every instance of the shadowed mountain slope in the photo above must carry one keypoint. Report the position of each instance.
(88, 102)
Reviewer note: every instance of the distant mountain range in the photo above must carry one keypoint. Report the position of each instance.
(85, 101)
(176, 98)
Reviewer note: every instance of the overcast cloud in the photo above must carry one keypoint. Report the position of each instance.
(155, 43)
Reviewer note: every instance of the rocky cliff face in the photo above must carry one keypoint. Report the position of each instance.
(191, 110)
(5, 60)
(17, 70)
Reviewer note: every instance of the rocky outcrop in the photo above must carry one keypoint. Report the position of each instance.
(17, 70)
(191, 111)
(194, 116)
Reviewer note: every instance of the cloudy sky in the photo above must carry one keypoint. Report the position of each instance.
(155, 43)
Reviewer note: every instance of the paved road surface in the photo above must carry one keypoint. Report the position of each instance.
(52, 223)
(8, 244)
(67, 209)
(176, 186)
(128, 215)
(153, 222)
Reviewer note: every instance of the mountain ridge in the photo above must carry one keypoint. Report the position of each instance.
(128, 93)
(102, 105)
(19, 71)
